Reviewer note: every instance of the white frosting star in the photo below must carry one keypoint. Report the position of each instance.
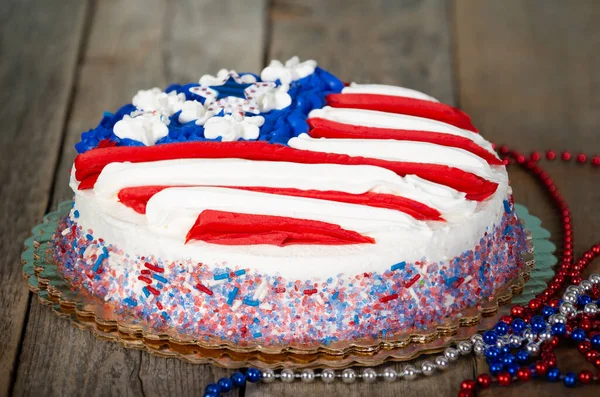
(147, 128)
(194, 110)
(155, 100)
(275, 98)
(223, 75)
(232, 127)
(292, 70)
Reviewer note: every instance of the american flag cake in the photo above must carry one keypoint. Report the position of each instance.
(288, 207)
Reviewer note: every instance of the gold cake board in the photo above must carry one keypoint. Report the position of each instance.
(52, 290)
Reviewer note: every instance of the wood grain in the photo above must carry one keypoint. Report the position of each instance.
(406, 43)
(528, 77)
(132, 45)
(36, 76)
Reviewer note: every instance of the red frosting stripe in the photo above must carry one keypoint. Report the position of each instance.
(231, 228)
(137, 198)
(91, 163)
(323, 128)
(403, 105)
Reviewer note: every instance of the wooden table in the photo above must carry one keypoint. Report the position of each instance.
(527, 71)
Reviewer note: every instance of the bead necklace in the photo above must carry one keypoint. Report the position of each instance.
(534, 330)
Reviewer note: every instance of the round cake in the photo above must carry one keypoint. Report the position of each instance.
(288, 208)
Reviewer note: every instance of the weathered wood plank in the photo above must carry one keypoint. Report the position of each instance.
(133, 45)
(36, 76)
(527, 73)
(395, 42)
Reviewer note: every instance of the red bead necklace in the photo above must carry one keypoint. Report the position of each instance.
(568, 272)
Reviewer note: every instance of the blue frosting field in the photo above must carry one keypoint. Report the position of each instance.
(279, 126)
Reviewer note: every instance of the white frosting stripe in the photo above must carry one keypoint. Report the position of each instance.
(173, 211)
(352, 179)
(382, 89)
(377, 119)
(404, 151)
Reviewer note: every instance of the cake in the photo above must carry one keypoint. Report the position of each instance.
(288, 208)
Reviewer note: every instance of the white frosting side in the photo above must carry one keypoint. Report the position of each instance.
(409, 151)
(373, 118)
(146, 128)
(232, 127)
(353, 179)
(382, 89)
(292, 70)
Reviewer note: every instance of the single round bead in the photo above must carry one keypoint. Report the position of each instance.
(369, 375)
(239, 379)
(253, 375)
(390, 375)
(409, 372)
(521, 356)
(287, 376)
(584, 300)
(569, 297)
(567, 309)
(515, 341)
(553, 374)
(268, 376)
(225, 384)
(541, 368)
(585, 377)
(502, 328)
(464, 347)
(595, 278)
(465, 393)
(550, 155)
(559, 329)
(484, 381)
(468, 385)
(348, 375)
(545, 336)
(538, 324)
(490, 337)
(566, 156)
(529, 335)
(578, 335)
(504, 378)
(548, 311)
(524, 374)
(570, 379)
(512, 368)
(591, 309)
(495, 368)
(307, 375)
(533, 349)
(428, 368)
(557, 318)
(574, 289)
(328, 375)
(212, 388)
(586, 285)
(584, 346)
(581, 158)
(451, 354)
(442, 363)
(478, 349)
(508, 359)
(518, 325)
(492, 353)
(476, 338)
(595, 340)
